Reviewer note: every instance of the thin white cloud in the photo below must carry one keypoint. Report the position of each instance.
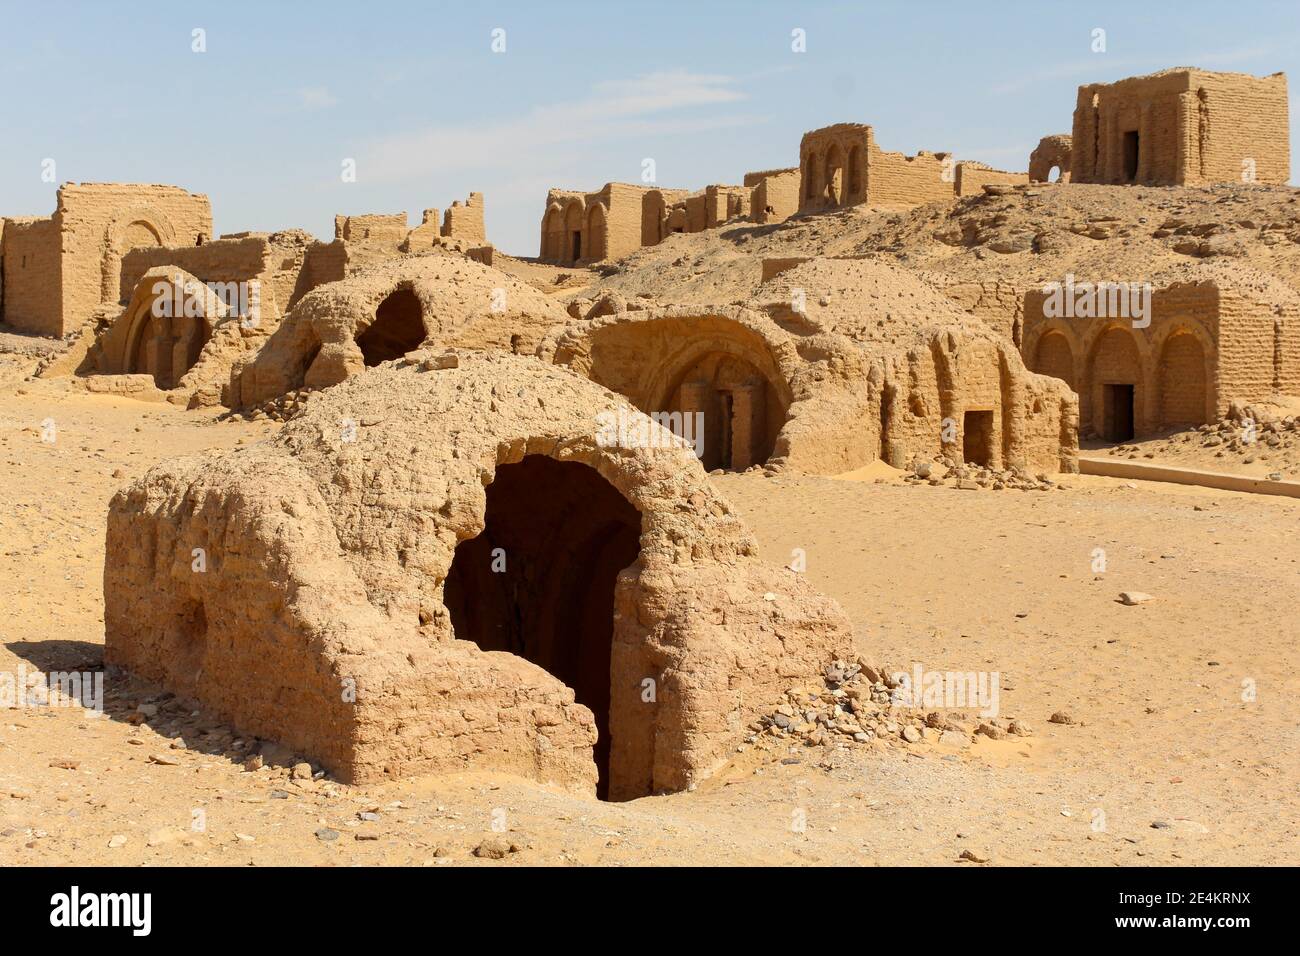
(316, 98)
(641, 106)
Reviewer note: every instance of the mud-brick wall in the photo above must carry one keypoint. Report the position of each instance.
(465, 220)
(223, 260)
(622, 220)
(32, 276)
(324, 262)
(1247, 351)
(897, 180)
(1287, 349)
(1243, 118)
(1000, 305)
(775, 195)
(100, 222)
(973, 177)
(375, 229)
(1185, 369)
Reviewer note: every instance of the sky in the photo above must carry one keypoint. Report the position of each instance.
(264, 119)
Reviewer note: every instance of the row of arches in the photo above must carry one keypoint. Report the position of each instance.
(834, 176)
(1130, 385)
(574, 232)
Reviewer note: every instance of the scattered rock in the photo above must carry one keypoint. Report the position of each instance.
(493, 848)
(1131, 598)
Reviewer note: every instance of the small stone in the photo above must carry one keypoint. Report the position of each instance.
(973, 857)
(492, 849)
(326, 835)
(991, 731)
(1131, 598)
(952, 738)
(300, 771)
(911, 734)
(1061, 717)
(116, 841)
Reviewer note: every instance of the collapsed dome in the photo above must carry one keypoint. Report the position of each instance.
(380, 313)
(433, 570)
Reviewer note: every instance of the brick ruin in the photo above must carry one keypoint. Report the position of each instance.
(1183, 127)
(457, 412)
(353, 606)
(382, 312)
(581, 228)
(870, 374)
(54, 271)
(185, 313)
(1051, 155)
(841, 165)
(1219, 336)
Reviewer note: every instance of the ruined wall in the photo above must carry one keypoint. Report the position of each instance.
(622, 221)
(973, 177)
(998, 303)
(1052, 152)
(723, 203)
(222, 260)
(775, 195)
(899, 181)
(33, 276)
(74, 257)
(1256, 355)
(100, 222)
(465, 220)
(833, 166)
(383, 230)
(842, 165)
(1182, 127)
(427, 233)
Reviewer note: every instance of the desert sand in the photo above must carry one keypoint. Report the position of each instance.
(1163, 762)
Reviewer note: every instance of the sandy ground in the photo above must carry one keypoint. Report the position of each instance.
(1166, 762)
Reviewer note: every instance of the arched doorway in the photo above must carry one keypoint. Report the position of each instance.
(1115, 375)
(553, 234)
(1182, 380)
(834, 178)
(539, 580)
(572, 239)
(596, 232)
(165, 347)
(398, 328)
(1055, 358)
(737, 406)
(121, 239)
(855, 173)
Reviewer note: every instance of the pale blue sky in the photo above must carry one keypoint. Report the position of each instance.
(262, 121)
